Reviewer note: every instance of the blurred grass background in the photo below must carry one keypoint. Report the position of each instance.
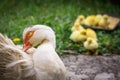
(15, 15)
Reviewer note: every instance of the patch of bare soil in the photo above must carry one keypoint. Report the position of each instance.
(80, 67)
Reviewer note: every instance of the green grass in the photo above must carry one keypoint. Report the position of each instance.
(60, 15)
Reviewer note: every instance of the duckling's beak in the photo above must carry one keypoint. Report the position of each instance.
(26, 46)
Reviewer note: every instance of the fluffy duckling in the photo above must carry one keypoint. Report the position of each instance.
(82, 37)
(92, 45)
(98, 19)
(77, 26)
(80, 19)
(74, 36)
(104, 22)
(78, 36)
(91, 33)
(90, 20)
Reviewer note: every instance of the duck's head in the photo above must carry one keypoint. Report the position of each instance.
(83, 32)
(37, 34)
(81, 17)
(105, 16)
(89, 40)
(77, 24)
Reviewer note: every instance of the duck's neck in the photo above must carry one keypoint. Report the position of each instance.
(52, 42)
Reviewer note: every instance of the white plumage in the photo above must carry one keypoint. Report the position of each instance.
(42, 64)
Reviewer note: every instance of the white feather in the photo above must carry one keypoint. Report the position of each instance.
(47, 64)
(43, 63)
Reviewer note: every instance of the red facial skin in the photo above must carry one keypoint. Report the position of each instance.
(26, 43)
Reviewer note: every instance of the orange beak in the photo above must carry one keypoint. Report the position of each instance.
(26, 43)
(26, 46)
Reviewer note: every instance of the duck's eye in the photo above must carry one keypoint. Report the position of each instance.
(28, 36)
(30, 33)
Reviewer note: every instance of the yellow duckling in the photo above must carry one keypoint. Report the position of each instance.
(82, 36)
(78, 36)
(92, 45)
(74, 36)
(77, 26)
(90, 20)
(80, 19)
(104, 22)
(105, 16)
(98, 19)
(91, 33)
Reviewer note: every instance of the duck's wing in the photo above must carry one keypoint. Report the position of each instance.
(14, 63)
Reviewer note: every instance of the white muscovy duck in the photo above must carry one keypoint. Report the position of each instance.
(43, 64)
